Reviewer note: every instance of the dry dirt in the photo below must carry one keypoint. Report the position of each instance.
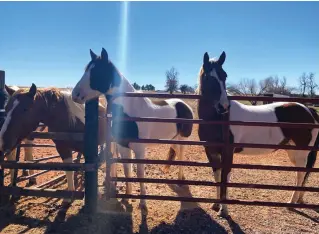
(43, 215)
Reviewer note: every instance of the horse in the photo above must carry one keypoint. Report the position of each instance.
(215, 106)
(102, 77)
(28, 151)
(55, 108)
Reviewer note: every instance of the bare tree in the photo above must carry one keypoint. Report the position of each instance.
(303, 82)
(245, 87)
(249, 87)
(275, 85)
(312, 85)
(172, 80)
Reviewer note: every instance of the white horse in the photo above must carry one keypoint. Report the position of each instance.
(102, 77)
(214, 104)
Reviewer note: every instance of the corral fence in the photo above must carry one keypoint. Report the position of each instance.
(225, 162)
(89, 167)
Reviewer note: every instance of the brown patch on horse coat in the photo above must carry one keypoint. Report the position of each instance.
(184, 112)
(295, 113)
(160, 102)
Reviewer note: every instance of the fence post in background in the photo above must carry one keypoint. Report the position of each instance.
(3, 198)
(109, 156)
(91, 154)
(227, 158)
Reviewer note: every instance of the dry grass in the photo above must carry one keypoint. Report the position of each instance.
(42, 215)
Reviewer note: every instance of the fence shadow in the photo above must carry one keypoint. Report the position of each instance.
(113, 219)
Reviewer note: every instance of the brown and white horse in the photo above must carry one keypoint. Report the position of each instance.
(27, 108)
(102, 77)
(214, 104)
(28, 151)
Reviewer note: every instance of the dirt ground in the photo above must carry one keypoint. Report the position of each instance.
(43, 215)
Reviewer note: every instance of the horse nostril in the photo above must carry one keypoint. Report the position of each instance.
(77, 95)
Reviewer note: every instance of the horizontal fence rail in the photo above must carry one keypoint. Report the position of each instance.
(49, 166)
(203, 164)
(213, 144)
(210, 200)
(239, 98)
(214, 184)
(63, 136)
(236, 123)
(17, 191)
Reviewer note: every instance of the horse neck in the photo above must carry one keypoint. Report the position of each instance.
(207, 111)
(129, 102)
(43, 105)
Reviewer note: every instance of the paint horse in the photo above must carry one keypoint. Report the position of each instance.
(27, 108)
(102, 77)
(28, 151)
(214, 105)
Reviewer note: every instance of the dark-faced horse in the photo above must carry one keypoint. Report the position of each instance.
(102, 77)
(214, 106)
(55, 108)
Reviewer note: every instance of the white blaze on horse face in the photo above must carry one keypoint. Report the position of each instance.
(6, 123)
(223, 96)
(82, 92)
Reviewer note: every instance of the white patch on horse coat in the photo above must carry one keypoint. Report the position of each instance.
(255, 134)
(7, 122)
(143, 107)
(76, 109)
(223, 97)
(83, 89)
(259, 134)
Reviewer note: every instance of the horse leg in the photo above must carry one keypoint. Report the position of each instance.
(139, 150)
(215, 158)
(28, 156)
(66, 155)
(11, 157)
(180, 157)
(126, 153)
(299, 158)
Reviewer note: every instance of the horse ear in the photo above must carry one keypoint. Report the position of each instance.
(206, 58)
(9, 90)
(104, 55)
(32, 90)
(222, 58)
(93, 55)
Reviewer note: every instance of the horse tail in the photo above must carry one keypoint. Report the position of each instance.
(312, 156)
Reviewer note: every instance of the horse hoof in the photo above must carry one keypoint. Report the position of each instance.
(66, 203)
(143, 208)
(216, 207)
(223, 214)
(32, 181)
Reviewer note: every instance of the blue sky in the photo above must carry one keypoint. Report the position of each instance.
(48, 42)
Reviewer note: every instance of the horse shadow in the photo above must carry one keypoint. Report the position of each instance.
(191, 218)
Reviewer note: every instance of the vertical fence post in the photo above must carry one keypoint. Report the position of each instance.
(227, 158)
(91, 154)
(3, 198)
(109, 155)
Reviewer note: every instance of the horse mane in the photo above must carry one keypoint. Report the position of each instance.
(200, 75)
